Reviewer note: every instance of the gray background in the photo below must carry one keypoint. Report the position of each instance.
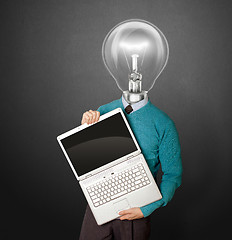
(52, 71)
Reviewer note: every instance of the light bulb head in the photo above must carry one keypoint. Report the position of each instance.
(135, 53)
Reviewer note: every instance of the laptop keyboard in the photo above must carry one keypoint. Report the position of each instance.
(118, 185)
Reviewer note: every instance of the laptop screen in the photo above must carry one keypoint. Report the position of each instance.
(99, 144)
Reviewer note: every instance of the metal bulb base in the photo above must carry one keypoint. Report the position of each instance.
(132, 97)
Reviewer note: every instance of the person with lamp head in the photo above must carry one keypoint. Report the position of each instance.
(135, 52)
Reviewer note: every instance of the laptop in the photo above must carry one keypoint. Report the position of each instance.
(107, 161)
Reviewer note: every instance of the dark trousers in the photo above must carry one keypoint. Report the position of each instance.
(138, 229)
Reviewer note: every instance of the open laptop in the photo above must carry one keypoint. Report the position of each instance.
(107, 161)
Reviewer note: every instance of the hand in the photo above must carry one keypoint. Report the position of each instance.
(131, 214)
(90, 117)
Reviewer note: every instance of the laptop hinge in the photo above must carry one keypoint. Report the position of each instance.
(90, 175)
(130, 157)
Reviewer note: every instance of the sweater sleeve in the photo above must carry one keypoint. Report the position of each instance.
(104, 109)
(170, 159)
(100, 109)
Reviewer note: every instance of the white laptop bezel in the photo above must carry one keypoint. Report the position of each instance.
(108, 165)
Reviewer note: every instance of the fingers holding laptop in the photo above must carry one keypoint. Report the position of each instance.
(90, 117)
(131, 214)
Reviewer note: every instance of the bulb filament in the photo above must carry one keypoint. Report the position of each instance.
(135, 83)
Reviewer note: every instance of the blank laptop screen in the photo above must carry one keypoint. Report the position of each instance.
(99, 144)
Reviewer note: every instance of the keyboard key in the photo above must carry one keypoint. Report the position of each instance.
(137, 182)
(118, 195)
(96, 200)
(138, 177)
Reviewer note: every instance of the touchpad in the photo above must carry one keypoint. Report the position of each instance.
(121, 205)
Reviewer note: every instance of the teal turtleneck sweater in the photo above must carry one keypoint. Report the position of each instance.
(158, 139)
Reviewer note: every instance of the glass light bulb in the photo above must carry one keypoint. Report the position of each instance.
(135, 53)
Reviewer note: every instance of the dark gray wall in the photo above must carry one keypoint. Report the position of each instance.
(52, 71)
